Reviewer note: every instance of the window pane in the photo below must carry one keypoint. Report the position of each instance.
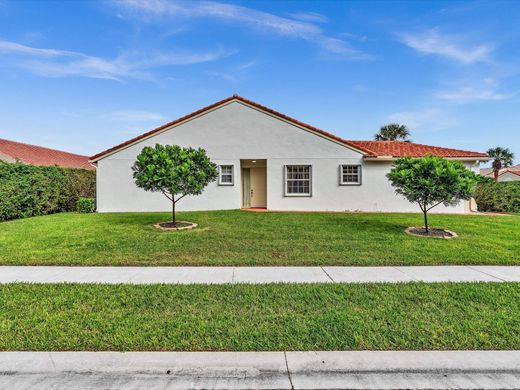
(298, 179)
(350, 174)
(226, 174)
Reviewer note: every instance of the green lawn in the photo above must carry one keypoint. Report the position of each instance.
(246, 238)
(411, 316)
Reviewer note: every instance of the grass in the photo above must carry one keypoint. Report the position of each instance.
(246, 238)
(413, 316)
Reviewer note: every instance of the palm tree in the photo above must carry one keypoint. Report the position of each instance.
(502, 158)
(393, 132)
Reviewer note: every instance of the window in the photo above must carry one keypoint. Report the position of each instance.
(225, 177)
(298, 180)
(350, 175)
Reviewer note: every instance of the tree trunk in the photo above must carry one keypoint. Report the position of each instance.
(426, 220)
(497, 166)
(173, 211)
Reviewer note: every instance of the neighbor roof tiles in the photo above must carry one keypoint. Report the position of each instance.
(38, 155)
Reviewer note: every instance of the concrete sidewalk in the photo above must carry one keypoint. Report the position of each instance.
(223, 275)
(261, 370)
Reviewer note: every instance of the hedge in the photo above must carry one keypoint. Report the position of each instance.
(28, 190)
(86, 205)
(498, 196)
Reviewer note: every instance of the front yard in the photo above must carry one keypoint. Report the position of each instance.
(412, 316)
(245, 238)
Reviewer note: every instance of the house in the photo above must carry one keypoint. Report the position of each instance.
(11, 151)
(269, 160)
(505, 174)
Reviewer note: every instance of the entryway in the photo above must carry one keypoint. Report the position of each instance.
(254, 183)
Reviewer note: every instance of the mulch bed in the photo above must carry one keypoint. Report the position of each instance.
(432, 233)
(178, 225)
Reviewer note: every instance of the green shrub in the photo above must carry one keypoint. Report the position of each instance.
(501, 197)
(430, 181)
(27, 190)
(86, 205)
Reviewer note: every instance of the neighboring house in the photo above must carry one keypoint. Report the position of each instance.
(269, 160)
(505, 174)
(11, 151)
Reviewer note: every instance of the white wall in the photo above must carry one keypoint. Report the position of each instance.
(236, 131)
(508, 176)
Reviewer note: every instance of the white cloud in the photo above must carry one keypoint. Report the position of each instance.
(61, 63)
(259, 20)
(234, 73)
(483, 90)
(13, 47)
(312, 17)
(134, 116)
(428, 119)
(448, 46)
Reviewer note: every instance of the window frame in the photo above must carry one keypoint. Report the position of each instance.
(220, 182)
(360, 175)
(285, 181)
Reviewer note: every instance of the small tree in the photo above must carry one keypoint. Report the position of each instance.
(430, 181)
(393, 132)
(174, 171)
(502, 158)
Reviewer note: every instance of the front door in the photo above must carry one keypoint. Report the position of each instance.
(258, 187)
(254, 183)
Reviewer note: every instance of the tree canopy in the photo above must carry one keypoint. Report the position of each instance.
(393, 132)
(502, 158)
(430, 181)
(174, 171)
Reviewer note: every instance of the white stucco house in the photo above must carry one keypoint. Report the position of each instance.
(269, 160)
(505, 174)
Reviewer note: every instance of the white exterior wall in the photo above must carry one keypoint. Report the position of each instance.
(236, 131)
(508, 176)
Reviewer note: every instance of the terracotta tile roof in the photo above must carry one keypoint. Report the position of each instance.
(38, 155)
(513, 171)
(368, 148)
(410, 149)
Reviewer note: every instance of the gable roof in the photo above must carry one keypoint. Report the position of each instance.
(489, 171)
(409, 149)
(509, 170)
(367, 148)
(212, 107)
(38, 155)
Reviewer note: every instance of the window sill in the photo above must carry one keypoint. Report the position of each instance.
(297, 195)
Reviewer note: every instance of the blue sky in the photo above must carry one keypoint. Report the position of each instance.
(85, 75)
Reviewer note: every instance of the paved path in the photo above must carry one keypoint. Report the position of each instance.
(222, 275)
(261, 370)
